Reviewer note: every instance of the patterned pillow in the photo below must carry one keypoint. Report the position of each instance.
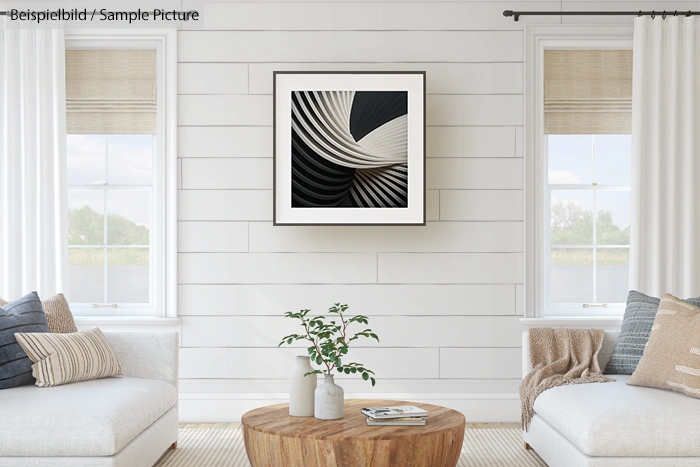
(57, 312)
(672, 358)
(68, 358)
(23, 315)
(634, 335)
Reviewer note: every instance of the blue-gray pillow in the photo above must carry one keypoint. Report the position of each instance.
(636, 326)
(23, 315)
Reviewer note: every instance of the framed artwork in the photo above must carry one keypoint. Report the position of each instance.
(349, 148)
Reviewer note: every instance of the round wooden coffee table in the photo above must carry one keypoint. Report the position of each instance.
(274, 439)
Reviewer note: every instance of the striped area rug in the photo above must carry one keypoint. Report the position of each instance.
(223, 447)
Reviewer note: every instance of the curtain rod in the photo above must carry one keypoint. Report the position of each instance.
(517, 14)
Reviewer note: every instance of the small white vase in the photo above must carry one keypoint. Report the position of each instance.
(329, 400)
(301, 389)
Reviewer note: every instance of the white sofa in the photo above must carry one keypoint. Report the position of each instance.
(127, 421)
(613, 424)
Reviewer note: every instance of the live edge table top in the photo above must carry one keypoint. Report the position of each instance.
(275, 420)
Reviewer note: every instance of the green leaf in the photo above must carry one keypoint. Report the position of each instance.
(319, 360)
(373, 381)
(289, 341)
(347, 370)
(365, 376)
(354, 370)
(337, 361)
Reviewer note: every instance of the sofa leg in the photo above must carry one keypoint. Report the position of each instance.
(527, 446)
(174, 445)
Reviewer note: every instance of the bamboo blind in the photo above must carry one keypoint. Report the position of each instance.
(111, 91)
(587, 91)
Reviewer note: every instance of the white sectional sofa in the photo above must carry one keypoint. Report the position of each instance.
(613, 424)
(127, 421)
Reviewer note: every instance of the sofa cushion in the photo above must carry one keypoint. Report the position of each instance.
(58, 314)
(672, 356)
(23, 315)
(69, 357)
(636, 327)
(91, 418)
(616, 420)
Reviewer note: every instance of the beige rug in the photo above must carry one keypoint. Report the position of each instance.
(207, 446)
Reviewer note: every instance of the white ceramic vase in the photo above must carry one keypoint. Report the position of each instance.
(329, 400)
(301, 388)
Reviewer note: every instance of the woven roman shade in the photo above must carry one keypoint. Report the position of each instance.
(111, 91)
(588, 91)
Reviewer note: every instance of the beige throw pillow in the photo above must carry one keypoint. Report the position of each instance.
(671, 359)
(68, 358)
(58, 314)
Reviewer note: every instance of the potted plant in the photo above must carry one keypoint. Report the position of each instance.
(330, 341)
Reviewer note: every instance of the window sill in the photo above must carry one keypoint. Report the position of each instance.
(128, 323)
(609, 323)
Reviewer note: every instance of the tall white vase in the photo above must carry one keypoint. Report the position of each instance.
(329, 400)
(301, 389)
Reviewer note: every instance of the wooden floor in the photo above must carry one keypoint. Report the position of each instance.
(206, 426)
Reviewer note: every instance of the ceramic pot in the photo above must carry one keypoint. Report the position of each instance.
(329, 400)
(301, 388)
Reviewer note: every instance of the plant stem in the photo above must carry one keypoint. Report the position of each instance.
(345, 324)
(318, 351)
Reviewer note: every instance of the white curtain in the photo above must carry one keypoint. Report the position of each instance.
(33, 204)
(665, 221)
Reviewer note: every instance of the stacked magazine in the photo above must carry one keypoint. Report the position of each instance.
(402, 415)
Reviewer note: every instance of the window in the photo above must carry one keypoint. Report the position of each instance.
(110, 214)
(588, 188)
(121, 172)
(578, 104)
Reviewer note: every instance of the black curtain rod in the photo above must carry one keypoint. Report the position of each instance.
(517, 14)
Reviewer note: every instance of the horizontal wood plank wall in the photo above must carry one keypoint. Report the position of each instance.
(444, 298)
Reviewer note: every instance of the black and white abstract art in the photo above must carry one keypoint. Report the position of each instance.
(349, 148)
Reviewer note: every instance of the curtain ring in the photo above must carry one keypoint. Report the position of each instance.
(653, 14)
(640, 14)
(664, 15)
(688, 15)
(675, 13)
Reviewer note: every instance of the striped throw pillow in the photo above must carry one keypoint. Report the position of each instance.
(671, 359)
(23, 315)
(58, 313)
(69, 358)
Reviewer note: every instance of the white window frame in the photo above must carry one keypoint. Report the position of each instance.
(164, 236)
(537, 40)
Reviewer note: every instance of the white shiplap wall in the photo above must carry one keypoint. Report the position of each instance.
(442, 297)
(445, 298)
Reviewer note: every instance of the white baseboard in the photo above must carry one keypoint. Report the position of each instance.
(229, 407)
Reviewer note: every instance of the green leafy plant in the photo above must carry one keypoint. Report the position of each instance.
(330, 340)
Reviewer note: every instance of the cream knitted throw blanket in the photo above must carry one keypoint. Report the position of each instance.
(560, 357)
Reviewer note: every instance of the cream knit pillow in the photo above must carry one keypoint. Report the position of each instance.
(68, 358)
(671, 359)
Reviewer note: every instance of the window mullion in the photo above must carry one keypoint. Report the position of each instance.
(595, 223)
